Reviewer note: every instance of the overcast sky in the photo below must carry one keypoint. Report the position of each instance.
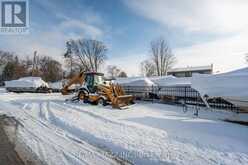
(200, 32)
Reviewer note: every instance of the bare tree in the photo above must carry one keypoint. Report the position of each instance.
(122, 74)
(51, 70)
(90, 54)
(72, 64)
(35, 65)
(160, 61)
(162, 56)
(43, 66)
(5, 57)
(14, 69)
(11, 66)
(148, 68)
(113, 71)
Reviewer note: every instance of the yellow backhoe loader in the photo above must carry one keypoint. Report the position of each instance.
(95, 90)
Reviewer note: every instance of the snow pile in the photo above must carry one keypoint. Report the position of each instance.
(142, 81)
(171, 81)
(154, 81)
(2, 90)
(26, 82)
(232, 86)
(126, 80)
(243, 71)
(56, 85)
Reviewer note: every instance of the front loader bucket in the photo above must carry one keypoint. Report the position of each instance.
(123, 101)
(116, 96)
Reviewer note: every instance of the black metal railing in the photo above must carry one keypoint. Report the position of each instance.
(184, 95)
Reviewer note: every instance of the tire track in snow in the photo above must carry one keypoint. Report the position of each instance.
(209, 156)
(124, 139)
(41, 143)
(74, 131)
(33, 125)
(96, 116)
(177, 151)
(45, 108)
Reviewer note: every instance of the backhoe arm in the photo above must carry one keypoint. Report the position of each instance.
(78, 79)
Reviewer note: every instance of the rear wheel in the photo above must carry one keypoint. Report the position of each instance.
(83, 95)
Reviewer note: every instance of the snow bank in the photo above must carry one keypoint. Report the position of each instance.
(126, 80)
(171, 81)
(2, 90)
(154, 81)
(56, 85)
(144, 82)
(26, 82)
(232, 86)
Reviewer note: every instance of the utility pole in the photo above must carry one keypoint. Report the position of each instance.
(35, 64)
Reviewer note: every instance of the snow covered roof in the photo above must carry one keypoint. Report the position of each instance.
(26, 82)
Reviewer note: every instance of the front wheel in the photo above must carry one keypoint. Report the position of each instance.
(102, 102)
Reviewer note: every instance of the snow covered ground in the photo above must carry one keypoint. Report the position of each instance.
(146, 133)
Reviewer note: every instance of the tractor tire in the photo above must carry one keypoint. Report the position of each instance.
(83, 95)
(102, 102)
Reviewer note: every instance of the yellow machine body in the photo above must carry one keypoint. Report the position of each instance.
(96, 91)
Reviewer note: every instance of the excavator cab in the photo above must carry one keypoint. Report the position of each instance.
(92, 80)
